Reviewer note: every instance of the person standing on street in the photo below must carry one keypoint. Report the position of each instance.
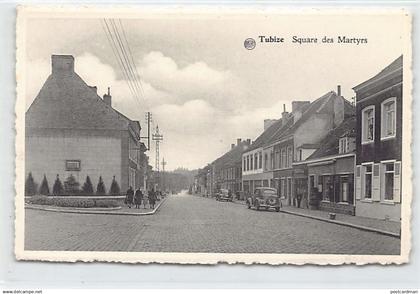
(138, 197)
(129, 197)
(152, 199)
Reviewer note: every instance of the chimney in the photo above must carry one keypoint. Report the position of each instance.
(232, 146)
(238, 141)
(108, 98)
(248, 141)
(62, 65)
(284, 114)
(338, 90)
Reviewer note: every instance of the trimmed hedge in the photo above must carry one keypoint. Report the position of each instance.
(73, 202)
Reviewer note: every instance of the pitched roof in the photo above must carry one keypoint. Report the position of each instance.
(397, 64)
(266, 135)
(67, 102)
(232, 156)
(329, 145)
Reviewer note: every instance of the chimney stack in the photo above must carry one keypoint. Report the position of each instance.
(62, 65)
(238, 141)
(248, 141)
(338, 90)
(108, 98)
(232, 146)
(284, 114)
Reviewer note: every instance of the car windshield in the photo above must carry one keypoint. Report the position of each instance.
(268, 192)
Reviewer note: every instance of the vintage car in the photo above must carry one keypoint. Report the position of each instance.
(264, 197)
(224, 195)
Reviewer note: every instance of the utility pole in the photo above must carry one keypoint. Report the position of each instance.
(163, 174)
(157, 138)
(148, 118)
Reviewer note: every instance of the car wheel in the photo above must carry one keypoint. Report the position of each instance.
(257, 206)
(277, 209)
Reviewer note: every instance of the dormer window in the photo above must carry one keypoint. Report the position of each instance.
(343, 145)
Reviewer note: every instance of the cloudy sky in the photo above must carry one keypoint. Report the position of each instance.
(202, 86)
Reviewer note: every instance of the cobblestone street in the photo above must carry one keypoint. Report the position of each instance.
(188, 223)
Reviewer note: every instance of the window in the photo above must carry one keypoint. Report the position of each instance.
(367, 181)
(244, 167)
(328, 188)
(272, 159)
(344, 189)
(388, 178)
(265, 161)
(247, 162)
(260, 159)
(289, 156)
(256, 161)
(277, 159)
(343, 145)
(368, 124)
(251, 162)
(283, 157)
(73, 165)
(388, 121)
(283, 187)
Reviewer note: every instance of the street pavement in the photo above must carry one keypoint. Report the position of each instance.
(187, 223)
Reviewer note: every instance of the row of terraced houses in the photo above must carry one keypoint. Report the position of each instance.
(328, 154)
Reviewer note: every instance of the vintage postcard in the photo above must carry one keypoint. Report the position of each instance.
(211, 135)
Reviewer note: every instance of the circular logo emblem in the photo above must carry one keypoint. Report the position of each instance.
(249, 44)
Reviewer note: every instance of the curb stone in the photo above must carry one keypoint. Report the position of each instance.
(78, 211)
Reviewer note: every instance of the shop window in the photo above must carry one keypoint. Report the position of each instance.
(388, 118)
(368, 124)
(344, 189)
(328, 188)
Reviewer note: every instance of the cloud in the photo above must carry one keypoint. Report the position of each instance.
(193, 81)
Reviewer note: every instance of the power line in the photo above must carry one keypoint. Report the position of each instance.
(126, 59)
(137, 75)
(120, 60)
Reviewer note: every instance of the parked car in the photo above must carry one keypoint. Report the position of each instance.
(264, 197)
(224, 195)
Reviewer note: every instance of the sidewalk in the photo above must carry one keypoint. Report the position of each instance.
(385, 227)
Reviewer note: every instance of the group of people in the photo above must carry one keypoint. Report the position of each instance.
(138, 198)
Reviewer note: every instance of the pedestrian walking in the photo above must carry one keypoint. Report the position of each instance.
(152, 199)
(138, 197)
(129, 197)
